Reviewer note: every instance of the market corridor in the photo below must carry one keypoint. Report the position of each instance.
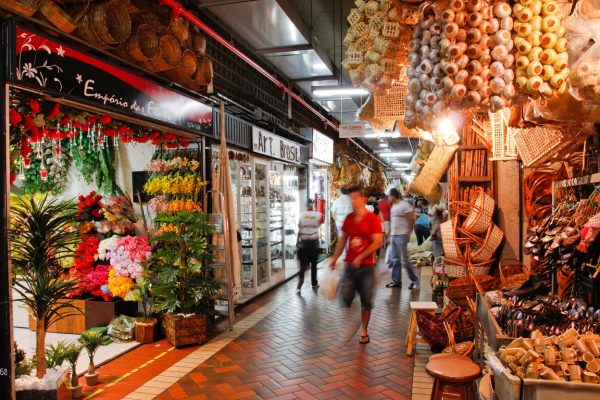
(297, 351)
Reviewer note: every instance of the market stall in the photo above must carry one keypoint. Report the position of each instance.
(482, 84)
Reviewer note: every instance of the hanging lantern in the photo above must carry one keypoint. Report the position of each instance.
(27, 162)
(43, 172)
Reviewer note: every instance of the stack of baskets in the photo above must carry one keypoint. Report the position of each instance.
(140, 31)
(470, 239)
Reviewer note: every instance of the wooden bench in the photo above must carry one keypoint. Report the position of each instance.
(413, 337)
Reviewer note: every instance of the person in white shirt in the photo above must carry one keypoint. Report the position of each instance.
(308, 244)
(402, 216)
(341, 208)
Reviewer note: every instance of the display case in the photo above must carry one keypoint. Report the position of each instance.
(261, 227)
(246, 218)
(291, 216)
(276, 243)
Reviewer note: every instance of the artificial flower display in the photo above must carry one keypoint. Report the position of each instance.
(176, 185)
(90, 207)
(119, 286)
(86, 254)
(127, 257)
(96, 282)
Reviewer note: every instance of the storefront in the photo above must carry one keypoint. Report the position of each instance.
(267, 199)
(87, 134)
(321, 160)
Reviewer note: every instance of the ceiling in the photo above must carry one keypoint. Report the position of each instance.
(302, 39)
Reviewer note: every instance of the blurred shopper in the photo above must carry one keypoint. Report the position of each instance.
(341, 207)
(308, 244)
(436, 234)
(402, 217)
(384, 209)
(422, 225)
(363, 232)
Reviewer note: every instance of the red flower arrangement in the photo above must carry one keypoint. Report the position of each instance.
(96, 282)
(90, 207)
(86, 254)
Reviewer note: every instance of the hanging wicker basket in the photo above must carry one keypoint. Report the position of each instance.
(142, 45)
(168, 57)
(198, 43)
(184, 71)
(451, 248)
(180, 29)
(112, 22)
(480, 216)
(56, 16)
(23, 7)
(425, 183)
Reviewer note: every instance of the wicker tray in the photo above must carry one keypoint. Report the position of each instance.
(536, 145)
(426, 181)
(391, 105)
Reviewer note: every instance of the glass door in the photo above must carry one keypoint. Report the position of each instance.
(247, 227)
(291, 207)
(276, 244)
(261, 229)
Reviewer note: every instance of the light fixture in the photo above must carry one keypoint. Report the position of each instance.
(382, 135)
(447, 128)
(393, 154)
(400, 164)
(325, 91)
(383, 145)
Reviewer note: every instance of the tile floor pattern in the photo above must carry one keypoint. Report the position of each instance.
(293, 347)
(298, 351)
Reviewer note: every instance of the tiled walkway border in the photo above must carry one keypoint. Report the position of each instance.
(164, 380)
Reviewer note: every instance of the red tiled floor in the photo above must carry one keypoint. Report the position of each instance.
(298, 352)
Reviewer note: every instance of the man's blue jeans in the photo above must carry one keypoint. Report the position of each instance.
(397, 256)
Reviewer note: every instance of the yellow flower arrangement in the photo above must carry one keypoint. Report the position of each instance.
(175, 185)
(119, 286)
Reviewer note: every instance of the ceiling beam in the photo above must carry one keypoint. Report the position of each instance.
(316, 78)
(284, 49)
(217, 3)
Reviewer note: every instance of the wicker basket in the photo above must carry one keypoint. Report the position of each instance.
(142, 45)
(355, 16)
(360, 29)
(169, 55)
(391, 30)
(180, 29)
(536, 145)
(451, 249)
(481, 214)
(502, 136)
(456, 269)
(435, 167)
(111, 22)
(377, 21)
(198, 43)
(391, 105)
(512, 274)
(184, 71)
(493, 239)
(184, 331)
(354, 57)
(22, 7)
(85, 29)
(56, 16)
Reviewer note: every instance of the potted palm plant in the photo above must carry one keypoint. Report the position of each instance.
(183, 283)
(91, 341)
(42, 236)
(145, 326)
(71, 355)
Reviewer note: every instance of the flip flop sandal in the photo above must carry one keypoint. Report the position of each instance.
(364, 339)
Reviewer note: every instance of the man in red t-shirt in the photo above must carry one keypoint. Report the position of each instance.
(363, 231)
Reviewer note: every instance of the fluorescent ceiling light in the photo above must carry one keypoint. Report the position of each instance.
(338, 91)
(396, 154)
(383, 145)
(399, 164)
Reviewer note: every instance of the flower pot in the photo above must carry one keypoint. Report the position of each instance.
(50, 387)
(144, 330)
(91, 379)
(182, 330)
(76, 392)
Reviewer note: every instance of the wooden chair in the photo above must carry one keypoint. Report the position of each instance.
(413, 337)
(454, 375)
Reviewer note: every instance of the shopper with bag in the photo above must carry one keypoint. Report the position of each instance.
(308, 244)
(402, 223)
(363, 232)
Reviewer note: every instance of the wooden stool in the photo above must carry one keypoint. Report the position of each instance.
(412, 336)
(454, 377)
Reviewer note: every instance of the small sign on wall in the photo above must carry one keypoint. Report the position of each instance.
(264, 142)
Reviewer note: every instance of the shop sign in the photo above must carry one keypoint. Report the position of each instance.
(274, 146)
(322, 147)
(353, 130)
(48, 65)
